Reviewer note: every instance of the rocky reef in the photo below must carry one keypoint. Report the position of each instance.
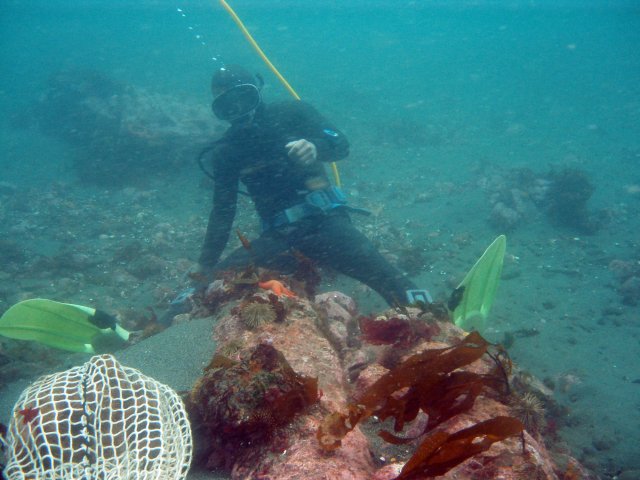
(520, 195)
(121, 134)
(566, 200)
(627, 275)
(322, 392)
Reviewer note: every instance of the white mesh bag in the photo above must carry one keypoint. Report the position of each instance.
(98, 421)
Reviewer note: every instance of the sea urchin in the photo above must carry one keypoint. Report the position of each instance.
(254, 314)
(530, 410)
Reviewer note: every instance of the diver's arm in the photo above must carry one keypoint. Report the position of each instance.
(225, 198)
(330, 143)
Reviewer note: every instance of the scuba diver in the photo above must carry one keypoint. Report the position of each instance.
(277, 151)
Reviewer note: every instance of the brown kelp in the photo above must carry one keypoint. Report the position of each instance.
(431, 382)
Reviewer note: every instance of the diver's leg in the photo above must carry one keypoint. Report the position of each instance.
(269, 250)
(337, 243)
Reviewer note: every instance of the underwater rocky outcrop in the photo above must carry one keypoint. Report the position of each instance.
(520, 195)
(324, 393)
(121, 134)
(627, 275)
(566, 200)
(290, 375)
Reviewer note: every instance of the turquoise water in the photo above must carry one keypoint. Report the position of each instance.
(437, 98)
(566, 76)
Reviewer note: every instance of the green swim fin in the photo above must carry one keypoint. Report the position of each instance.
(471, 301)
(74, 328)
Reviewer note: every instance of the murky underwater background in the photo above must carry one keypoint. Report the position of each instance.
(461, 116)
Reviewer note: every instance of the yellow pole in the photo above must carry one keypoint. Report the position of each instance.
(256, 47)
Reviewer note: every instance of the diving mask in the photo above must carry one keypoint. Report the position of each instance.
(236, 102)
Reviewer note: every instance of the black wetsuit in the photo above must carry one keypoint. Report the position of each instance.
(255, 155)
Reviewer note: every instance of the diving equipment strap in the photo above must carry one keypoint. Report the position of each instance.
(317, 202)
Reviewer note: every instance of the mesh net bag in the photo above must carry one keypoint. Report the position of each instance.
(98, 421)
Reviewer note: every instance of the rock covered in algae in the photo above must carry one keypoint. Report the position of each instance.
(292, 450)
(242, 404)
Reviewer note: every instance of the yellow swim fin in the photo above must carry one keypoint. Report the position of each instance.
(471, 302)
(74, 328)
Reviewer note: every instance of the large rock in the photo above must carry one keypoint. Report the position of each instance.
(291, 452)
(122, 134)
(294, 451)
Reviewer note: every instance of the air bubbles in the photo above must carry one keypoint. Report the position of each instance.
(193, 29)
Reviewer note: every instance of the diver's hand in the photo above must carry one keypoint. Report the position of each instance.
(302, 151)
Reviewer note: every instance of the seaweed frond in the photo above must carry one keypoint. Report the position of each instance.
(431, 382)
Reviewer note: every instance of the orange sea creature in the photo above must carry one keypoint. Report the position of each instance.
(277, 287)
